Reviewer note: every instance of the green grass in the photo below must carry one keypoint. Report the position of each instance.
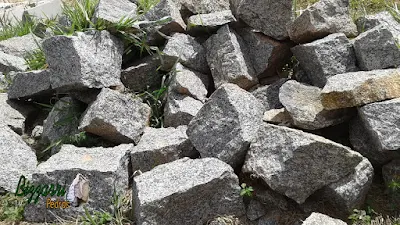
(36, 60)
(11, 207)
(21, 28)
(145, 5)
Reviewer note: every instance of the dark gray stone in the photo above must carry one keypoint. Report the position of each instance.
(186, 191)
(304, 105)
(106, 170)
(228, 61)
(391, 172)
(30, 84)
(269, 16)
(88, 60)
(318, 218)
(116, 117)
(360, 88)
(277, 153)
(208, 23)
(255, 210)
(268, 95)
(377, 49)
(326, 57)
(180, 109)
(226, 124)
(160, 146)
(321, 19)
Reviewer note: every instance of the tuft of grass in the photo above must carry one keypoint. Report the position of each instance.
(80, 13)
(11, 207)
(21, 28)
(145, 5)
(36, 60)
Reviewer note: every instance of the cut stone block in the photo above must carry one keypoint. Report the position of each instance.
(180, 110)
(30, 84)
(114, 11)
(386, 19)
(11, 63)
(268, 95)
(205, 6)
(20, 46)
(208, 23)
(318, 218)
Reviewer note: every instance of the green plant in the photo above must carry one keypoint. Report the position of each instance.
(11, 207)
(247, 191)
(362, 216)
(36, 60)
(97, 218)
(81, 139)
(145, 5)
(20, 28)
(80, 13)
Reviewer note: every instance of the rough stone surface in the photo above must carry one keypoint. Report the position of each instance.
(278, 116)
(160, 146)
(321, 19)
(318, 218)
(278, 152)
(377, 49)
(360, 88)
(186, 191)
(20, 46)
(206, 23)
(17, 159)
(268, 95)
(116, 117)
(180, 110)
(13, 114)
(349, 193)
(267, 55)
(30, 84)
(63, 120)
(205, 6)
(104, 168)
(326, 57)
(304, 105)
(11, 63)
(186, 50)
(87, 60)
(46, 9)
(190, 83)
(226, 124)
(142, 74)
(270, 17)
(368, 22)
(113, 11)
(391, 172)
(228, 61)
(255, 210)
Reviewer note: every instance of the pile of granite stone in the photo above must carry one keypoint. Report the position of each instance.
(231, 115)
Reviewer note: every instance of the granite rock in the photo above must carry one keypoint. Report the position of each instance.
(112, 11)
(20, 46)
(30, 84)
(208, 23)
(318, 218)
(180, 109)
(11, 63)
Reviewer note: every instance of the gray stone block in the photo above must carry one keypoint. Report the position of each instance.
(113, 11)
(208, 23)
(20, 46)
(180, 109)
(11, 63)
(318, 218)
(30, 84)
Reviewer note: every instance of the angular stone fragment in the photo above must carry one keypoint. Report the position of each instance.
(13, 114)
(304, 106)
(349, 193)
(391, 172)
(318, 218)
(208, 23)
(377, 49)
(228, 61)
(180, 110)
(160, 146)
(20, 46)
(226, 124)
(268, 95)
(278, 116)
(88, 60)
(17, 159)
(368, 22)
(321, 19)
(324, 58)
(267, 55)
(63, 120)
(190, 83)
(197, 191)
(142, 74)
(113, 11)
(205, 6)
(278, 152)
(269, 16)
(186, 50)
(116, 117)
(106, 170)
(11, 63)
(360, 88)
(30, 84)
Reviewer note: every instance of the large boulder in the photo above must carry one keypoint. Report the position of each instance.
(375, 133)
(377, 49)
(114, 11)
(326, 57)
(17, 159)
(360, 88)
(30, 84)
(269, 16)
(318, 218)
(277, 153)
(321, 19)
(11, 63)
(105, 169)
(304, 105)
(386, 19)
(159, 146)
(186, 191)
(228, 61)
(226, 125)
(87, 60)
(20, 46)
(206, 23)
(186, 50)
(267, 55)
(180, 109)
(116, 117)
